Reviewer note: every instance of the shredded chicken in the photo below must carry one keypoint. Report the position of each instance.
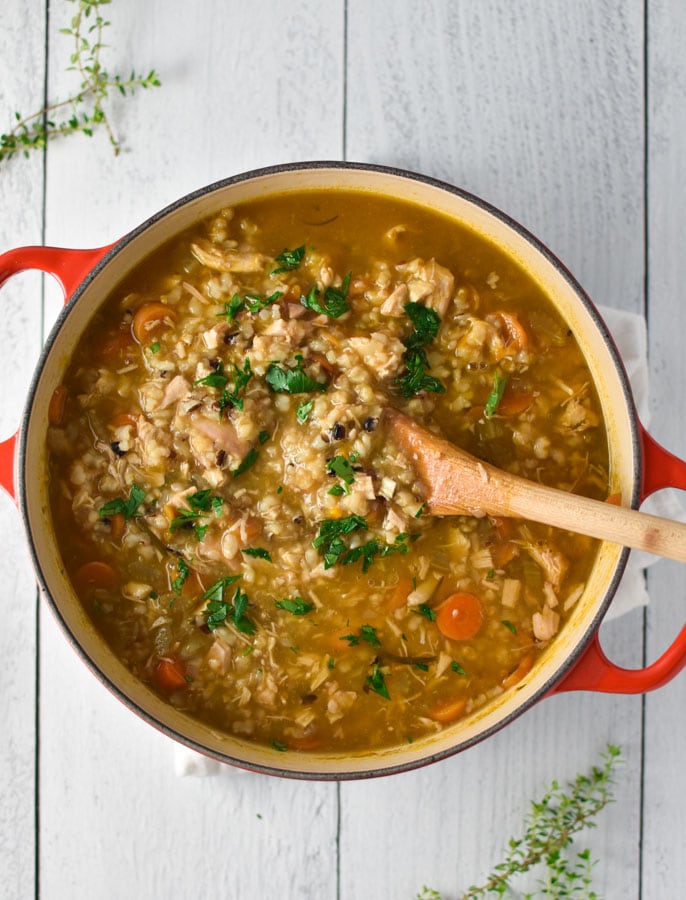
(214, 257)
(430, 282)
(553, 563)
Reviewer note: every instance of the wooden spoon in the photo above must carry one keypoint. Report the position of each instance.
(458, 484)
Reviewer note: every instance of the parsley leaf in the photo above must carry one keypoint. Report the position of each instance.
(257, 553)
(184, 571)
(297, 606)
(184, 518)
(219, 612)
(509, 626)
(340, 466)
(201, 501)
(335, 302)
(232, 308)
(303, 411)
(338, 490)
(289, 260)
(496, 395)
(248, 462)
(252, 302)
(376, 680)
(329, 541)
(283, 380)
(426, 611)
(456, 667)
(426, 323)
(128, 508)
(241, 379)
(215, 379)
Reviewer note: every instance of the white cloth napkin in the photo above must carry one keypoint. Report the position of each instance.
(629, 332)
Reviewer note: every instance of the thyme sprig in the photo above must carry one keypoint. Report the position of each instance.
(84, 111)
(550, 828)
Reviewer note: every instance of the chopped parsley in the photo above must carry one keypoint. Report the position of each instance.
(248, 462)
(496, 395)
(303, 411)
(184, 518)
(155, 347)
(289, 260)
(201, 501)
(376, 681)
(456, 667)
(338, 490)
(366, 633)
(183, 569)
(423, 666)
(252, 302)
(257, 553)
(509, 626)
(340, 466)
(284, 380)
(426, 611)
(296, 606)
(216, 379)
(241, 379)
(220, 612)
(426, 323)
(334, 303)
(127, 508)
(369, 551)
(420, 511)
(329, 540)
(279, 745)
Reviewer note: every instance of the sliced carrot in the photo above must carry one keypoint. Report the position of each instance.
(502, 554)
(57, 404)
(397, 595)
(460, 617)
(448, 712)
(117, 522)
(96, 574)
(116, 344)
(307, 742)
(516, 333)
(169, 675)
(122, 419)
(149, 318)
(522, 669)
(614, 499)
(192, 586)
(513, 402)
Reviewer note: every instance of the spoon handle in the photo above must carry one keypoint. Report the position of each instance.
(457, 483)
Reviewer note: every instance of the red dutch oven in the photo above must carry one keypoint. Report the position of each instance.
(638, 466)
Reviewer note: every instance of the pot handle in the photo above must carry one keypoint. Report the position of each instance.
(69, 267)
(594, 671)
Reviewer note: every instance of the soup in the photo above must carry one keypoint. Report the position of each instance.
(236, 521)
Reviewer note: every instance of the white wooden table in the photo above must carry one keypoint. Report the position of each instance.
(568, 115)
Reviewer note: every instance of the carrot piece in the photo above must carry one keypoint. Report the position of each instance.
(117, 522)
(460, 617)
(614, 499)
(149, 318)
(123, 419)
(516, 333)
(524, 667)
(116, 344)
(169, 675)
(514, 402)
(192, 586)
(397, 595)
(502, 554)
(57, 404)
(448, 712)
(305, 743)
(96, 574)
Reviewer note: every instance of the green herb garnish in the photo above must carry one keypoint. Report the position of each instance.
(263, 437)
(184, 518)
(340, 466)
(155, 348)
(509, 626)
(303, 411)
(252, 302)
(183, 569)
(376, 680)
(426, 611)
(496, 395)
(201, 501)
(289, 260)
(241, 379)
(279, 745)
(338, 490)
(456, 667)
(216, 379)
(329, 540)
(426, 323)
(248, 462)
(284, 380)
(297, 606)
(218, 611)
(128, 508)
(257, 553)
(335, 300)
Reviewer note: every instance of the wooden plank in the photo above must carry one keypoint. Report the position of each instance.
(537, 108)
(664, 866)
(242, 86)
(21, 186)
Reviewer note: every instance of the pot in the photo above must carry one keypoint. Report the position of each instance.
(638, 466)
